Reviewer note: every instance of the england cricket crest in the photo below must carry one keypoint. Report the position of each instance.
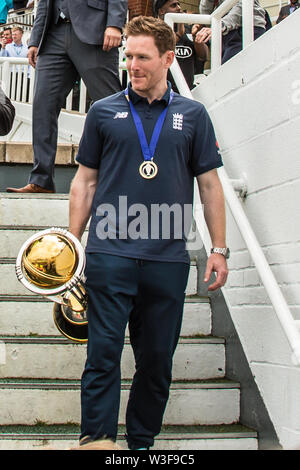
(177, 121)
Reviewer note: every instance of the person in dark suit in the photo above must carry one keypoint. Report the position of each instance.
(287, 10)
(70, 38)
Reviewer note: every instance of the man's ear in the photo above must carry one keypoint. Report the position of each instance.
(161, 13)
(169, 58)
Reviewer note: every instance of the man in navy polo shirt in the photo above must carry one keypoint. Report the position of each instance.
(139, 154)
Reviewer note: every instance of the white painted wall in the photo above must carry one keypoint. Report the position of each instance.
(254, 102)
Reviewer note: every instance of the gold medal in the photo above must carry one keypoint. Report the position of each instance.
(148, 169)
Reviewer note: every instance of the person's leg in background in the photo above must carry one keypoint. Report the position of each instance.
(232, 43)
(55, 77)
(99, 69)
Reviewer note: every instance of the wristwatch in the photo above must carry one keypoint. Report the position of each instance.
(221, 251)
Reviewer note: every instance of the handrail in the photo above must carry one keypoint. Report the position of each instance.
(215, 20)
(278, 301)
(288, 324)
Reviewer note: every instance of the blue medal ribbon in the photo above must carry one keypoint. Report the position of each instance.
(148, 150)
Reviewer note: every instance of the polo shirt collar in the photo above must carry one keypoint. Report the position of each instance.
(135, 97)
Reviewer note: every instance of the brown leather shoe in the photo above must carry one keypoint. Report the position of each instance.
(30, 188)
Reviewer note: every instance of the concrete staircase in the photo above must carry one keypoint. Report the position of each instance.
(40, 370)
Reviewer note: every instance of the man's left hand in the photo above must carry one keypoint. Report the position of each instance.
(204, 35)
(216, 263)
(112, 38)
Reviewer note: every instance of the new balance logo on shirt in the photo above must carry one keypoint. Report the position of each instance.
(121, 115)
(177, 119)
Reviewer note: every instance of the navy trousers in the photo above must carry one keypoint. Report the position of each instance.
(232, 42)
(150, 296)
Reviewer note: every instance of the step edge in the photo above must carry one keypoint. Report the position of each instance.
(48, 340)
(187, 436)
(178, 385)
(46, 196)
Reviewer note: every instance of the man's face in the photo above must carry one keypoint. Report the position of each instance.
(7, 36)
(146, 67)
(171, 6)
(17, 36)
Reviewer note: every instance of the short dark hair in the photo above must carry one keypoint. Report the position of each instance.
(163, 35)
(157, 4)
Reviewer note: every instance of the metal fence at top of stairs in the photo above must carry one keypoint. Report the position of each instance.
(23, 17)
(19, 86)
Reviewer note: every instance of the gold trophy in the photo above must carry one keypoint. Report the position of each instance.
(51, 263)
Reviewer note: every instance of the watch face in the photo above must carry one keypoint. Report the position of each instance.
(222, 251)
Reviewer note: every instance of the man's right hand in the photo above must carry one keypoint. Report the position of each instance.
(32, 55)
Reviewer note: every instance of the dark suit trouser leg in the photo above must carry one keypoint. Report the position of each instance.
(62, 59)
(55, 77)
(98, 69)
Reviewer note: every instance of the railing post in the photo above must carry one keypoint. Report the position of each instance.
(35, 8)
(248, 22)
(6, 78)
(69, 101)
(216, 43)
(31, 86)
(82, 97)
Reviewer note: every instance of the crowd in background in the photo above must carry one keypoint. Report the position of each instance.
(192, 41)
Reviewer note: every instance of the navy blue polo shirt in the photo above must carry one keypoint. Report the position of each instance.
(136, 217)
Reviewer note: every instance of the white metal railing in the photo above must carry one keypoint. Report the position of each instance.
(17, 78)
(288, 324)
(215, 20)
(17, 81)
(25, 20)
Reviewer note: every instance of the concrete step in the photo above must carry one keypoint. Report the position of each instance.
(32, 316)
(224, 437)
(10, 286)
(58, 358)
(34, 210)
(12, 238)
(58, 402)
(22, 152)
(16, 175)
